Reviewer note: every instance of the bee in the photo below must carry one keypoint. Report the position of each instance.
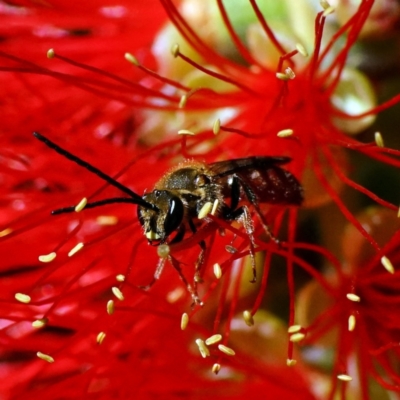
(183, 198)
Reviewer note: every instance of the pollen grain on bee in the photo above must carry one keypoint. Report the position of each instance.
(213, 339)
(344, 377)
(205, 210)
(351, 323)
(226, 350)
(353, 297)
(202, 348)
(184, 321)
(110, 307)
(81, 205)
(40, 323)
(117, 293)
(23, 298)
(214, 207)
(46, 258)
(45, 357)
(75, 249)
(248, 318)
(163, 250)
(387, 264)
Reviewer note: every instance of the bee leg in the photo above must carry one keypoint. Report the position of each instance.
(157, 274)
(245, 218)
(242, 214)
(191, 290)
(253, 201)
(200, 259)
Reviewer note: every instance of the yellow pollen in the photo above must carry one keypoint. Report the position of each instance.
(387, 264)
(297, 337)
(217, 270)
(163, 251)
(216, 368)
(73, 251)
(117, 293)
(291, 363)
(184, 321)
(216, 126)
(110, 307)
(51, 53)
(202, 348)
(344, 377)
(46, 258)
(5, 232)
(215, 207)
(290, 73)
(183, 101)
(23, 298)
(398, 213)
(45, 357)
(352, 323)
(285, 133)
(213, 339)
(248, 318)
(40, 323)
(282, 76)
(227, 350)
(205, 210)
(120, 278)
(379, 139)
(105, 220)
(186, 132)
(175, 50)
(328, 11)
(131, 58)
(100, 337)
(353, 297)
(301, 49)
(294, 328)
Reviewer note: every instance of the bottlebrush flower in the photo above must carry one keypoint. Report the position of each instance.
(241, 94)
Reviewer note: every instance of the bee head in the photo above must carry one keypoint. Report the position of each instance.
(158, 224)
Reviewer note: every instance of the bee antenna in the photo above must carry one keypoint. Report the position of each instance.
(135, 198)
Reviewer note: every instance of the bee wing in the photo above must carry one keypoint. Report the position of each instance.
(228, 167)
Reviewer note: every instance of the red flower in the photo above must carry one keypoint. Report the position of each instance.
(88, 99)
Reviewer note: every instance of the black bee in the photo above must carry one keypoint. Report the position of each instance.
(184, 196)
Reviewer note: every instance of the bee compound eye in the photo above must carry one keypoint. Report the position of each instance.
(174, 215)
